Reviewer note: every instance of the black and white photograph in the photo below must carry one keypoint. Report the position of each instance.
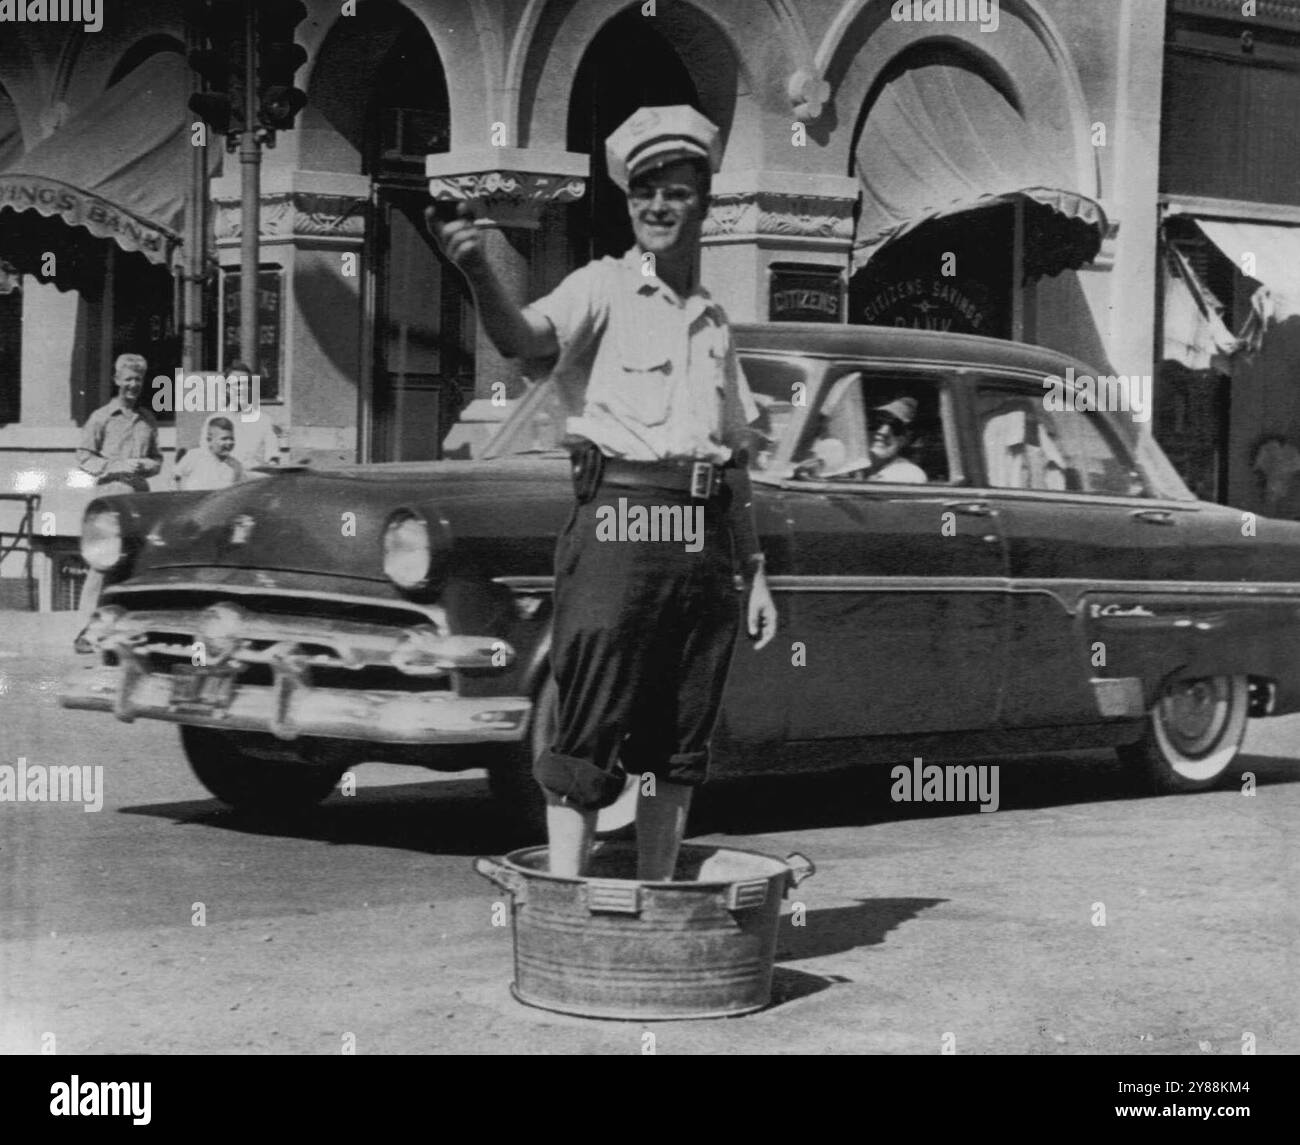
(675, 527)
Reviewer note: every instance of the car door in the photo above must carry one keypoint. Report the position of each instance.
(755, 702)
(897, 603)
(1081, 513)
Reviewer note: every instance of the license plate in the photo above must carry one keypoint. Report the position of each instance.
(202, 690)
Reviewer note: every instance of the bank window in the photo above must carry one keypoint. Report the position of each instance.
(1028, 447)
(877, 428)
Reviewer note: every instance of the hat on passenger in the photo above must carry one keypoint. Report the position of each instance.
(902, 408)
(655, 136)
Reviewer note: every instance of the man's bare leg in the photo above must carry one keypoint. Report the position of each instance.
(569, 832)
(660, 825)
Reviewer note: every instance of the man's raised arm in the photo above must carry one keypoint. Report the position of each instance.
(515, 332)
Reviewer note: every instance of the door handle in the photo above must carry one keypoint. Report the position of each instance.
(1153, 516)
(971, 508)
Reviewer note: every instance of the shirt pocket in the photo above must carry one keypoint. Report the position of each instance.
(642, 382)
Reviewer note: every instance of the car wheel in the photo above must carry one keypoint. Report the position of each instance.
(1193, 733)
(511, 779)
(249, 781)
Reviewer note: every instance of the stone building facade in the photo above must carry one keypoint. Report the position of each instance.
(989, 167)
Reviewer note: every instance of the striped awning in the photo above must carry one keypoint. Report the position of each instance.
(118, 168)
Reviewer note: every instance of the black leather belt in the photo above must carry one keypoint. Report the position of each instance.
(700, 479)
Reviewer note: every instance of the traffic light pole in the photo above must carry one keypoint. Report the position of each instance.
(250, 170)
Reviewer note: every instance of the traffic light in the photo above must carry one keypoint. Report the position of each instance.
(278, 57)
(220, 24)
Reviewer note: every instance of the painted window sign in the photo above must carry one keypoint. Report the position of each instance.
(269, 328)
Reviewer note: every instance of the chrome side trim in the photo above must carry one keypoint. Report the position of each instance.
(1059, 588)
(1053, 585)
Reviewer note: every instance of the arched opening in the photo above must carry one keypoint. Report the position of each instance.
(378, 104)
(627, 65)
(968, 197)
(377, 96)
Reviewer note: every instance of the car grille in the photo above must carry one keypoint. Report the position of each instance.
(342, 644)
(398, 614)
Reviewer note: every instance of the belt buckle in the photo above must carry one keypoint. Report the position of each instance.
(703, 478)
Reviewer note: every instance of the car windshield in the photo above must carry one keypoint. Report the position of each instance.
(536, 425)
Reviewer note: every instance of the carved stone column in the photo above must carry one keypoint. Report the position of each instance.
(317, 236)
(296, 214)
(758, 218)
(510, 188)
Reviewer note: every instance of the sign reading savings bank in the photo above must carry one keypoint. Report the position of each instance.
(928, 304)
(80, 209)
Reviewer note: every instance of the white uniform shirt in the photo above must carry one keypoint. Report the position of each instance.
(643, 374)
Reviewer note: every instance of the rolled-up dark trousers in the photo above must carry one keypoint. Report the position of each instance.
(643, 637)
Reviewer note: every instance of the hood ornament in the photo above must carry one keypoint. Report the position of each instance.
(241, 529)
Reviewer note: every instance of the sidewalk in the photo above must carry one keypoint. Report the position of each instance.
(37, 632)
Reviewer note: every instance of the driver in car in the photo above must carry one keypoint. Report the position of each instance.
(891, 428)
(890, 433)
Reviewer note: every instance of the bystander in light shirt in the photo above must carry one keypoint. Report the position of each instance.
(113, 434)
(201, 469)
(641, 373)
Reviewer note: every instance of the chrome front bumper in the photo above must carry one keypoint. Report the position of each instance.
(288, 649)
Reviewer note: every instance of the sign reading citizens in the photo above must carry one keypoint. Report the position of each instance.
(805, 294)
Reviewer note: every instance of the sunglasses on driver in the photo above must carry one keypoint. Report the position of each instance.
(876, 420)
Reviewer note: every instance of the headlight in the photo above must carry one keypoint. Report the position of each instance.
(101, 539)
(408, 553)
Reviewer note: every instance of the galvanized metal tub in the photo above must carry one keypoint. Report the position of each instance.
(610, 946)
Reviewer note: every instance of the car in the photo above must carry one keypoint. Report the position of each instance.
(1044, 581)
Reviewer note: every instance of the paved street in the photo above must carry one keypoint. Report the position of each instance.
(364, 917)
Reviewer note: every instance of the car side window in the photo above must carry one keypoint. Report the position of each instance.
(776, 385)
(1028, 447)
(875, 428)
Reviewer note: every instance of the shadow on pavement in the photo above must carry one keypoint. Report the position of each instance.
(836, 930)
(860, 798)
(840, 929)
(446, 817)
(454, 816)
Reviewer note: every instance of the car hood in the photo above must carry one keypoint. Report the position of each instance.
(331, 521)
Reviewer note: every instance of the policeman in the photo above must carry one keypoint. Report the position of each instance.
(657, 415)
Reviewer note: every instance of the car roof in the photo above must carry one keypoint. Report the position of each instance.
(902, 344)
